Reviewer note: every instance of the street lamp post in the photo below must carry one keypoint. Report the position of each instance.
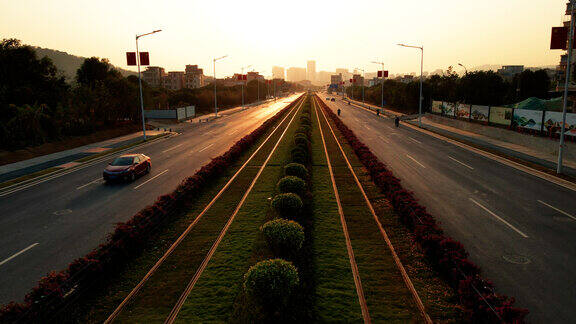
(382, 63)
(566, 83)
(421, 48)
(215, 97)
(242, 76)
(140, 81)
(363, 80)
(465, 69)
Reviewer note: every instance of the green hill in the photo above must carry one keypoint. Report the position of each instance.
(68, 63)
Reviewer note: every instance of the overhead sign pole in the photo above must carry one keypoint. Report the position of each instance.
(566, 83)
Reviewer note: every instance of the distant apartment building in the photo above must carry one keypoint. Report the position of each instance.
(254, 76)
(295, 74)
(311, 71)
(194, 77)
(153, 76)
(344, 72)
(323, 77)
(358, 79)
(173, 80)
(278, 72)
(336, 79)
(509, 71)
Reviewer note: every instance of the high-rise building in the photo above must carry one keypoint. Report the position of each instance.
(278, 72)
(311, 71)
(153, 76)
(295, 74)
(323, 77)
(194, 77)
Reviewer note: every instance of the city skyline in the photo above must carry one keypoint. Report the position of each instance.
(501, 36)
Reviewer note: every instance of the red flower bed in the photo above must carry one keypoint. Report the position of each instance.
(448, 256)
(128, 239)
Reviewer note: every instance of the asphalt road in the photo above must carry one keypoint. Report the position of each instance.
(46, 226)
(520, 229)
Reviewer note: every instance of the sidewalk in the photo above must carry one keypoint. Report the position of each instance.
(517, 151)
(514, 150)
(65, 159)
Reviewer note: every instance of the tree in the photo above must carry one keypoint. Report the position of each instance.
(530, 84)
(25, 79)
(482, 88)
(94, 71)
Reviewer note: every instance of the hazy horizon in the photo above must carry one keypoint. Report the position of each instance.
(263, 34)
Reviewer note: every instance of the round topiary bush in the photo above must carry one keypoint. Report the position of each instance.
(287, 204)
(299, 155)
(291, 184)
(271, 282)
(284, 236)
(301, 140)
(296, 169)
(305, 120)
(305, 129)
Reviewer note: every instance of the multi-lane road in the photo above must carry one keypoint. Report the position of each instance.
(519, 228)
(45, 226)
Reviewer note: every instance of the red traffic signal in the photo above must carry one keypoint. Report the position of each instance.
(382, 73)
(131, 58)
(144, 58)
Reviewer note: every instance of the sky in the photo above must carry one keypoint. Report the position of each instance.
(336, 34)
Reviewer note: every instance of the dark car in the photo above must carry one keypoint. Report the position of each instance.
(332, 99)
(127, 167)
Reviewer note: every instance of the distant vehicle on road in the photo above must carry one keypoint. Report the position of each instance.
(327, 98)
(127, 167)
(332, 99)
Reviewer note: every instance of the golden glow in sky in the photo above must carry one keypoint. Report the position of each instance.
(337, 34)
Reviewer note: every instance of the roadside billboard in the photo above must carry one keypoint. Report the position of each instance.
(530, 119)
(501, 115)
(437, 107)
(479, 113)
(448, 108)
(553, 122)
(463, 111)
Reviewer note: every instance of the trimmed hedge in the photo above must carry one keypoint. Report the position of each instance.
(128, 238)
(447, 255)
(302, 141)
(296, 169)
(291, 184)
(271, 282)
(283, 236)
(287, 204)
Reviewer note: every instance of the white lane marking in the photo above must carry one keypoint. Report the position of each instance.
(415, 140)
(413, 159)
(154, 177)
(173, 147)
(558, 210)
(464, 164)
(232, 132)
(17, 254)
(89, 183)
(368, 128)
(205, 148)
(384, 139)
(499, 218)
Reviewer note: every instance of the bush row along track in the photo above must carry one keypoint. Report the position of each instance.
(161, 292)
(385, 301)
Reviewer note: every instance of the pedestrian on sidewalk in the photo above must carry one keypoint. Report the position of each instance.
(338, 111)
(378, 112)
(397, 121)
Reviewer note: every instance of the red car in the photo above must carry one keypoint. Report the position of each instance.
(127, 167)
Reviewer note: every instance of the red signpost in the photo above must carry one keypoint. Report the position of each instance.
(144, 58)
(131, 58)
(559, 38)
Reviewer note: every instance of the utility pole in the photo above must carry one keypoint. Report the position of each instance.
(215, 97)
(242, 77)
(140, 81)
(566, 83)
(421, 48)
(382, 63)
